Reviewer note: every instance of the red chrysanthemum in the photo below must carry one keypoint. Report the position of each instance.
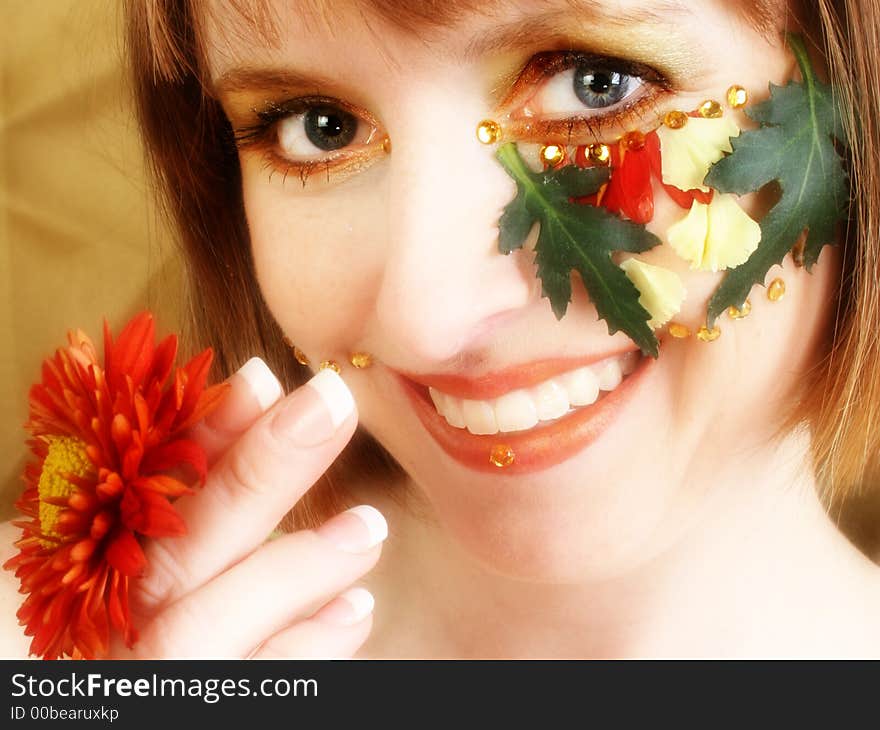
(105, 439)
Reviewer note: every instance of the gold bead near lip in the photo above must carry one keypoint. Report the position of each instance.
(331, 364)
(501, 456)
(675, 119)
(552, 154)
(704, 334)
(488, 131)
(361, 359)
(776, 290)
(737, 97)
(679, 331)
(740, 312)
(600, 154)
(711, 109)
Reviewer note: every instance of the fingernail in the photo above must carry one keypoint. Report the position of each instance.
(355, 530)
(262, 382)
(316, 410)
(348, 608)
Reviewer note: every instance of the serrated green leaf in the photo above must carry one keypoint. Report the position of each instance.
(575, 237)
(795, 147)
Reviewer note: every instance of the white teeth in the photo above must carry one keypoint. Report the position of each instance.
(454, 413)
(439, 399)
(522, 409)
(479, 416)
(582, 386)
(551, 400)
(609, 374)
(515, 411)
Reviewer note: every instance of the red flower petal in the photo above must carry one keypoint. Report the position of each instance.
(125, 554)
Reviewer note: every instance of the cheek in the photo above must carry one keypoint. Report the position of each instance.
(315, 256)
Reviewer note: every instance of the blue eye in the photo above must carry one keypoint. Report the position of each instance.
(598, 88)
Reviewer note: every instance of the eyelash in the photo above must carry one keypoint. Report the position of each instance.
(262, 136)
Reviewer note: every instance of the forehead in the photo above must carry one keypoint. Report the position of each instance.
(226, 26)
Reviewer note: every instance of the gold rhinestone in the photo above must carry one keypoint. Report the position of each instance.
(776, 290)
(600, 154)
(300, 356)
(634, 141)
(386, 145)
(501, 455)
(741, 312)
(737, 97)
(704, 334)
(552, 154)
(331, 364)
(675, 119)
(679, 331)
(711, 109)
(488, 131)
(361, 359)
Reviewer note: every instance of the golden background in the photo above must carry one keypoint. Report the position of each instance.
(79, 240)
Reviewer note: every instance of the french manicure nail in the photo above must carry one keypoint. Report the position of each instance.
(349, 607)
(356, 530)
(261, 381)
(316, 410)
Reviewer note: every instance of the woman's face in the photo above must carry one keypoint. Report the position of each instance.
(373, 212)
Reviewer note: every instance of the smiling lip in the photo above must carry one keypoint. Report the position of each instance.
(537, 448)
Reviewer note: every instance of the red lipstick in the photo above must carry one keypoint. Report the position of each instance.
(537, 448)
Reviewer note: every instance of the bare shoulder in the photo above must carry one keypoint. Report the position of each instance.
(13, 642)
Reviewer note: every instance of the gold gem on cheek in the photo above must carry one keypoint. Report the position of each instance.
(633, 141)
(361, 359)
(552, 154)
(488, 131)
(501, 456)
(330, 364)
(737, 97)
(386, 145)
(600, 154)
(679, 331)
(675, 120)
(704, 334)
(711, 110)
(741, 312)
(776, 290)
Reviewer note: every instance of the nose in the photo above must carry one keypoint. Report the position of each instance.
(445, 287)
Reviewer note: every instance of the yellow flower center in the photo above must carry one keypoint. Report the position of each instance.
(66, 456)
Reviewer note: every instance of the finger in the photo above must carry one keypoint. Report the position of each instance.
(336, 631)
(253, 390)
(251, 488)
(282, 582)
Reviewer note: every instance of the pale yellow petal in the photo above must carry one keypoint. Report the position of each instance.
(661, 290)
(715, 237)
(688, 236)
(689, 152)
(733, 235)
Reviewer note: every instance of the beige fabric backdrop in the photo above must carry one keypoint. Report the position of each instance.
(78, 241)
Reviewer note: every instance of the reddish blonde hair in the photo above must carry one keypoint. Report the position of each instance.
(191, 152)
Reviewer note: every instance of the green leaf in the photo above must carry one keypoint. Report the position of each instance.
(576, 237)
(795, 148)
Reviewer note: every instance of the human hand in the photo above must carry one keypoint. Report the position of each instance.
(222, 590)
